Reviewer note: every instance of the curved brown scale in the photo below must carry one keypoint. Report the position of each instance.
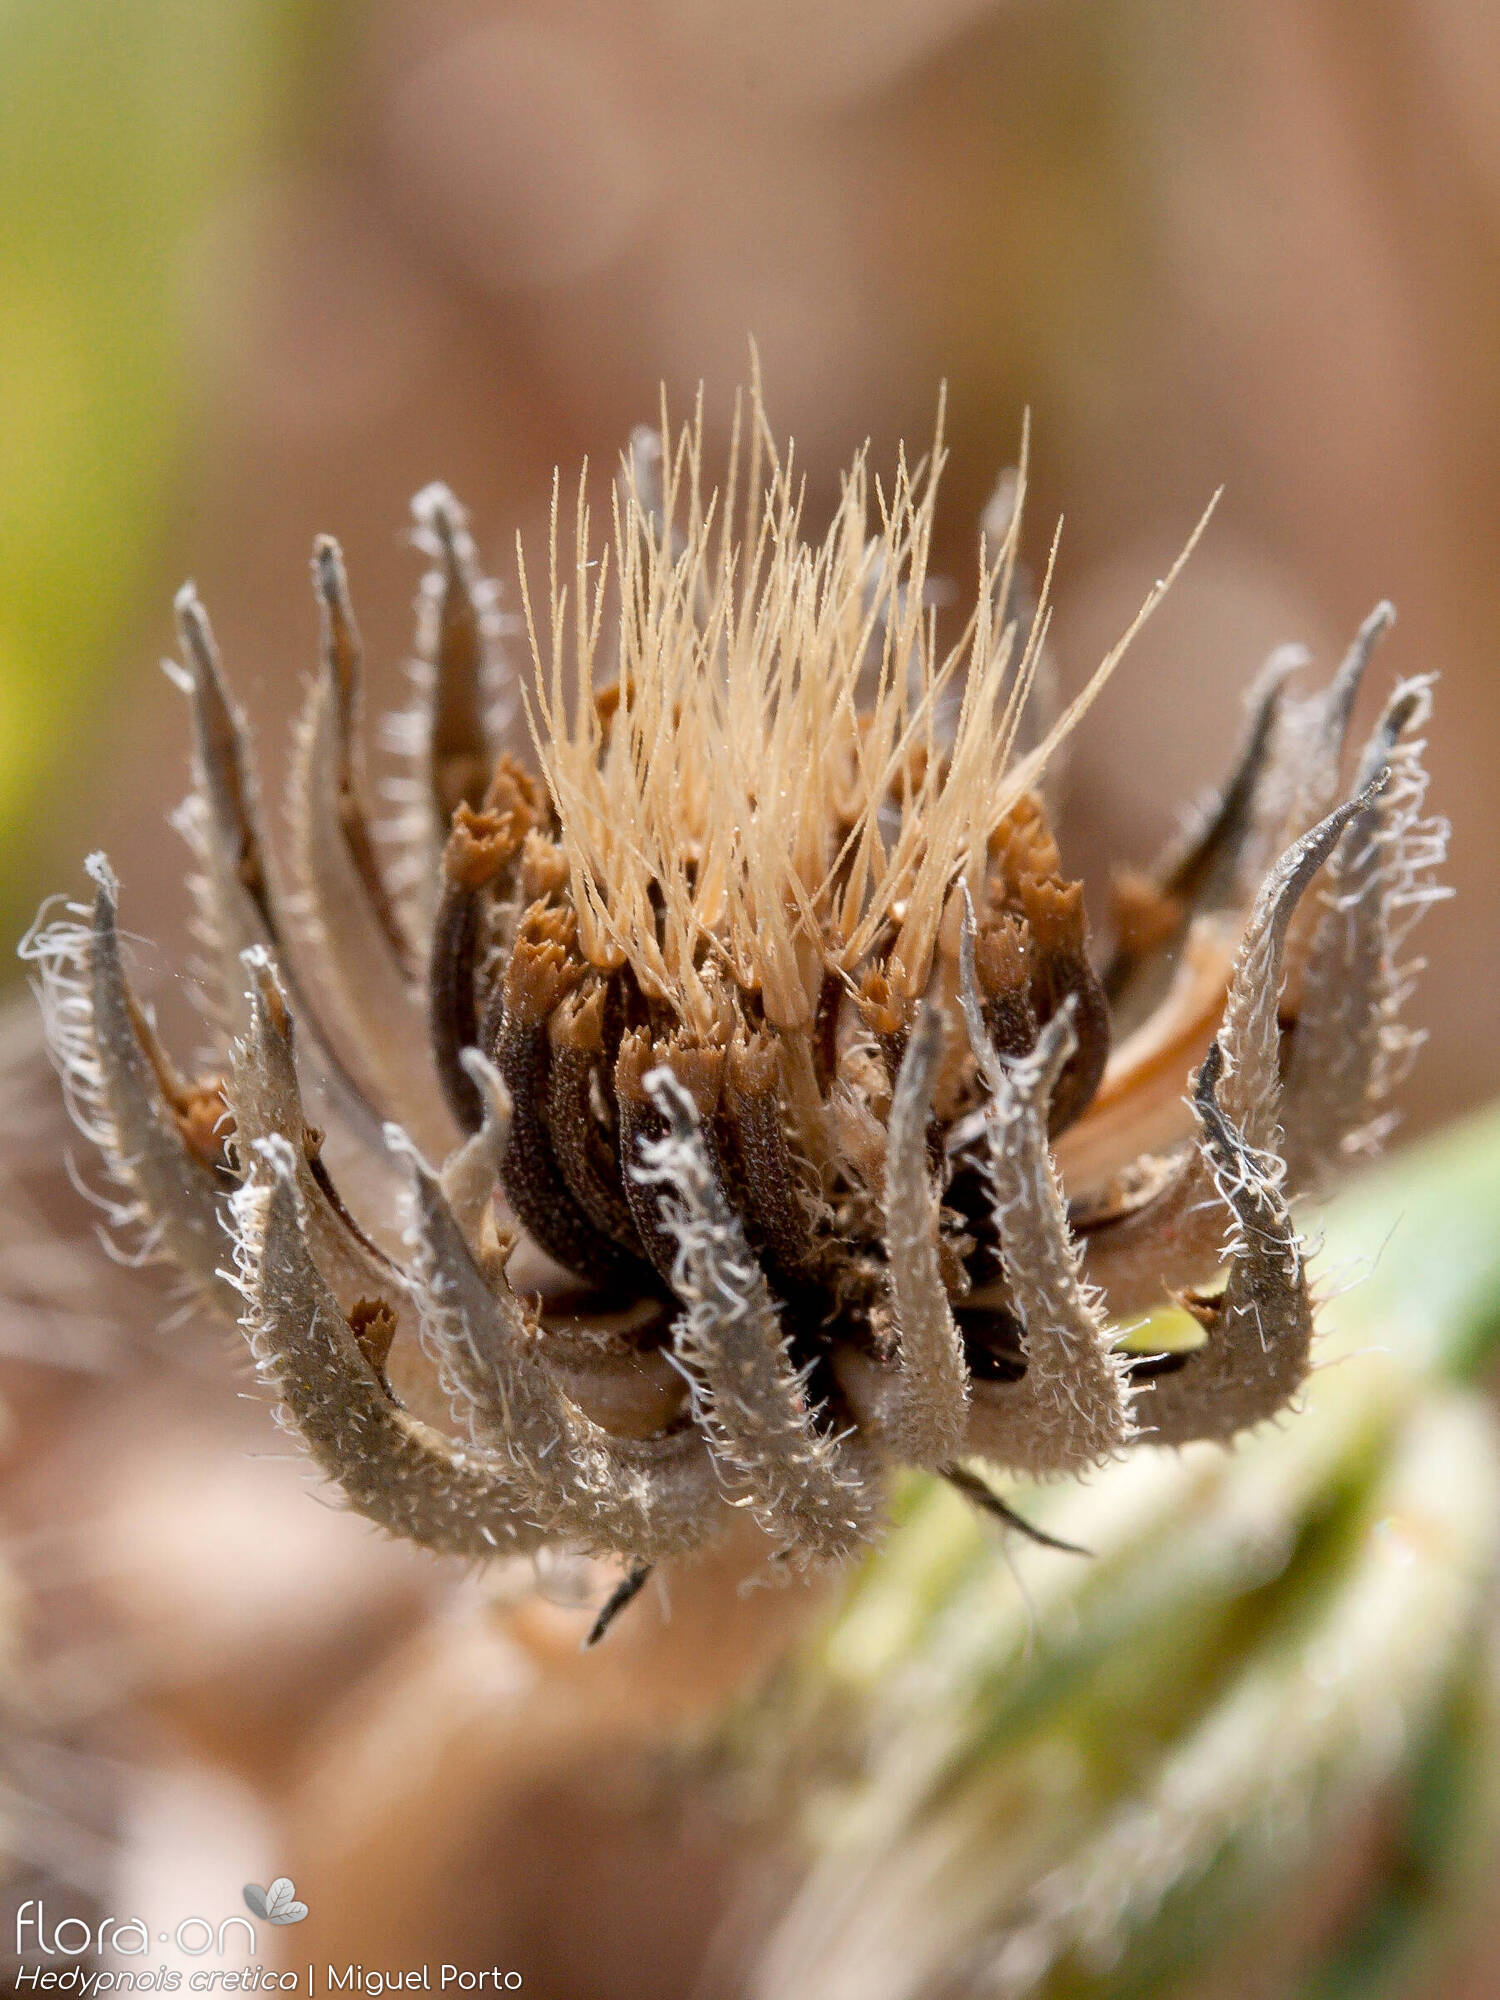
(1170, 1239)
(343, 773)
(585, 1152)
(1351, 986)
(931, 1414)
(1138, 1107)
(1326, 735)
(1062, 973)
(479, 861)
(1260, 1328)
(540, 882)
(236, 895)
(1202, 870)
(1070, 1410)
(458, 642)
(393, 1468)
(650, 1497)
(700, 1072)
(452, 1009)
(807, 1489)
(771, 1196)
(609, 1362)
(197, 1108)
(1027, 884)
(884, 1013)
(268, 1104)
(471, 1173)
(221, 756)
(124, 1090)
(825, 1031)
(543, 971)
(1249, 1041)
(1004, 968)
(347, 919)
(1327, 723)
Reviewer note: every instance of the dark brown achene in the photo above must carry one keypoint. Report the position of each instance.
(782, 1128)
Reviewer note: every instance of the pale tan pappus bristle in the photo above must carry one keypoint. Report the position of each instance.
(777, 784)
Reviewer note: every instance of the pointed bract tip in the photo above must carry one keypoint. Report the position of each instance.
(329, 577)
(102, 875)
(437, 508)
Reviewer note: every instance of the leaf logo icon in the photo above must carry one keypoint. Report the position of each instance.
(278, 1904)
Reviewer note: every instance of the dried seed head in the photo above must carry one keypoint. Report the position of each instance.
(782, 1127)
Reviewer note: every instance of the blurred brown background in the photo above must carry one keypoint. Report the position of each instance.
(269, 266)
(1250, 245)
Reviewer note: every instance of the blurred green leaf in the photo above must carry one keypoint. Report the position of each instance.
(119, 128)
(1113, 1777)
(1428, 1227)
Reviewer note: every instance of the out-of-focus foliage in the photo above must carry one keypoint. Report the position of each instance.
(118, 126)
(1254, 1739)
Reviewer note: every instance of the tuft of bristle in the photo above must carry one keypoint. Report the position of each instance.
(790, 763)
